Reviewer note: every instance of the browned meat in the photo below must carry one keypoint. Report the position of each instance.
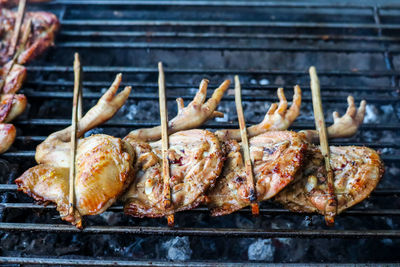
(276, 158)
(44, 27)
(103, 171)
(357, 171)
(103, 163)
(195, 163)
(11, 106)
(13, 78)
(7, 136)
(195, 159)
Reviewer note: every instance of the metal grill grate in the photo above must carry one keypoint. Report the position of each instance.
(270, 44)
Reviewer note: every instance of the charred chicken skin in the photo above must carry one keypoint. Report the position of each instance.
(103, 164)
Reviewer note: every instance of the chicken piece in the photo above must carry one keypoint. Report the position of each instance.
(11, 106)
(195, 163)
(7, 136)
(195, 159)
(103, 164)
(231, 191)
(44, 27)
(357, 171)
(190, 117)
(276, 158)
(13, 78)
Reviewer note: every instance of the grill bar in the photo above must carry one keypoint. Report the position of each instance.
(143, 96)
(38, 93)
(218, 3)
(209, 232)
(208, 23)
(177, 46)
(350, 38)
(124, 69)
(264, 211)
(85, 262)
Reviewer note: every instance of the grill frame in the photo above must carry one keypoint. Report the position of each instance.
(64, 6)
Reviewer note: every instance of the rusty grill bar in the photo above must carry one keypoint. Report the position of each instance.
(368, 31)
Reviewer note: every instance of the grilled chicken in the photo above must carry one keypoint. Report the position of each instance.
(11, 106)
(7, 136)
(13, 78)
(357, 171)
(44, 27)
(276, 157)
(103, 163)
(195, 163)
(195, 159)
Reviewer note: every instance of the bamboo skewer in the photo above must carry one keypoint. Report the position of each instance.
(246, 150)
(72, 172)
(164, 141)
(331, 206)
(17, 28)
(21, 48)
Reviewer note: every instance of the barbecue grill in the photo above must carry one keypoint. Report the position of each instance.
(269, 44)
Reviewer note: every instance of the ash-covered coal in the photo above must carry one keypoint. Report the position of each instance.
(261, 250)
